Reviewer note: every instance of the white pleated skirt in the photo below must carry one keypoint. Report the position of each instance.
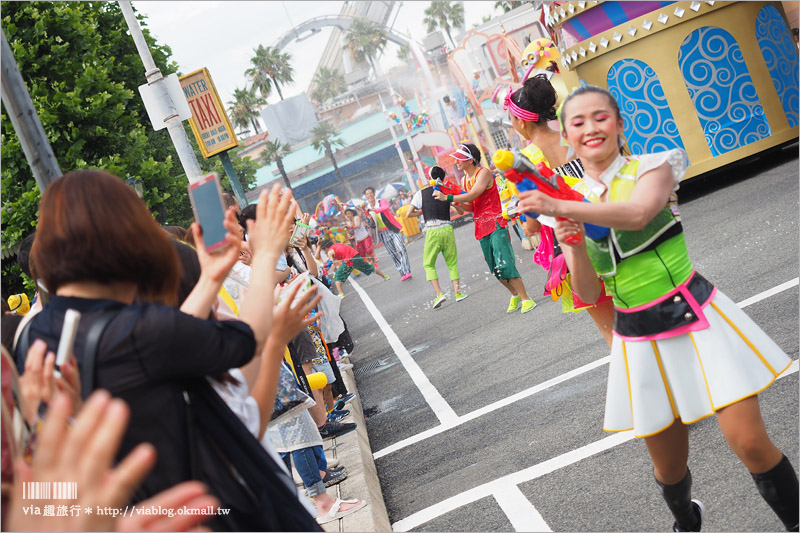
(691, 376)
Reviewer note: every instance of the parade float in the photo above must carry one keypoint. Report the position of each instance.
(717, 79)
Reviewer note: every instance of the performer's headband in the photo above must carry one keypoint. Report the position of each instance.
(516, 110)
(462, 154)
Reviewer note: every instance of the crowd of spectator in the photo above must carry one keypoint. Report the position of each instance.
(196, 380)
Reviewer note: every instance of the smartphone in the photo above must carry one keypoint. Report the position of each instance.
(67, 342)
(298, 233)
(209, 211)
(305, 285)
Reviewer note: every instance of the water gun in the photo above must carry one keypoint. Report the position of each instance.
(527, 177)
(509, 198)
(440, 184)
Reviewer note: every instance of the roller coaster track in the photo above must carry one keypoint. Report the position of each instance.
(342, 22)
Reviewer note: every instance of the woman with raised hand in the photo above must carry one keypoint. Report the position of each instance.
(682, 350)
(102, 253)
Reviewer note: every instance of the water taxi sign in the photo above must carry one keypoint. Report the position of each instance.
(209, 122)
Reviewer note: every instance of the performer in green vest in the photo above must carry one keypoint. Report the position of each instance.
(682, 350)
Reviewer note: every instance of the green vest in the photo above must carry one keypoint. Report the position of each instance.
(633, 276)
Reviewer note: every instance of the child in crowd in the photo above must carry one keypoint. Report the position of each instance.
(350, 259)
(361, 236)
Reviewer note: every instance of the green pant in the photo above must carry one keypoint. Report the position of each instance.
(441, 239)
(499, 254)
(344, 271)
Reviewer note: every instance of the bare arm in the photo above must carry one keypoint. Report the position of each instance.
(482, 182)
(313, 270)
(413, 212)
(267, 237)
(288, 322)
(213, 268)
(649, 196)
(585, 282)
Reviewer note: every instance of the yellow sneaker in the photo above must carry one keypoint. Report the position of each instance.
(527, 305)
(513, 305)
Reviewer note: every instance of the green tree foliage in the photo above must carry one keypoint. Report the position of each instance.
(325, 139)
(508, 5)
(404, 54)
(243, 109)
(328, 83)
(270, 68)
(365, 40)
(82, 71)
(275, 151)
(444, 15)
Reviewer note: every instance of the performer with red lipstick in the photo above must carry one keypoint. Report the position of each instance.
(682, 350)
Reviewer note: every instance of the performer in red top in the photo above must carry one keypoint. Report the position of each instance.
(350, 259)
(491, 229)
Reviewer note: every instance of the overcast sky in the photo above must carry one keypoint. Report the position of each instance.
(221, 35)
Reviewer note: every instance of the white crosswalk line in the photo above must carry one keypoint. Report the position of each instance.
(519, 510)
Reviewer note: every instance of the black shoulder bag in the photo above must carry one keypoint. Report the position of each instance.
(232, 463)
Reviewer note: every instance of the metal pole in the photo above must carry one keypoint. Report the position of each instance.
(153, 75)
(238, 192)
(19, 107)
(396, 143)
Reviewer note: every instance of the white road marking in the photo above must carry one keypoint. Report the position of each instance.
(458, 420)
(491, 407)
(771, 292)
(501, 485)
(440, 407)
(519, 510)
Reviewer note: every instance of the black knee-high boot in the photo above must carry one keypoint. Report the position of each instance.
(679, 501)
(779, 488)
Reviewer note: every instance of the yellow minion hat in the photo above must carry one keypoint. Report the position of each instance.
(19, 303)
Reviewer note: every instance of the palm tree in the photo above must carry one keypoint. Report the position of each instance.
(270, 68)
(507, 5)
(365, 40)
(276, 151)
(444, 15)
(328, 83)
(325, 139)
(244, 107)
(404, 54)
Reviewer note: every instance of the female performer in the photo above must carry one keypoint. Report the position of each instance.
(530, 108)
(682, 350)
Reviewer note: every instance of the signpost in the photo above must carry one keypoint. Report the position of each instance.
(210, 124)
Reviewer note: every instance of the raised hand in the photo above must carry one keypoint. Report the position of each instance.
(288, 321)
(39, 382)
(82, 453)
(185, 496)
(268, 234)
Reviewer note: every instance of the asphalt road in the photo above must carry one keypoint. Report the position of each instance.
(742, 233)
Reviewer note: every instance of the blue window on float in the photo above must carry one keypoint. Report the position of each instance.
(780, 55)
(648, 121)
(721, 89)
